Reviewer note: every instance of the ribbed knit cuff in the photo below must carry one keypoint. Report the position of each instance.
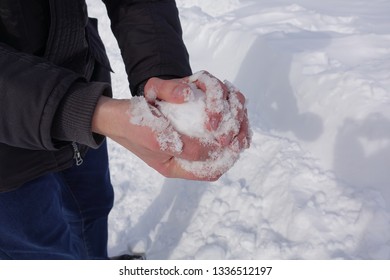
(73, 120)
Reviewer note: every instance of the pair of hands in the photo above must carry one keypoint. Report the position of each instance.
(111, 119)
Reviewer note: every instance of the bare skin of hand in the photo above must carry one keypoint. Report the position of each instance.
(177, 91)
(111, 119)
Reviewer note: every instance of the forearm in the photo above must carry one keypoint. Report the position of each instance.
(31, 91)
(110, 118)
(149, 35)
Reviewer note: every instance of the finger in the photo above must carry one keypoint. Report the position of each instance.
(173, 91)
(210, 84)
(216, 92)
(170, 167)
(213, 120)
(237, 104)
(175, 170)
(243, 138)
(194, 149)
(237, 101)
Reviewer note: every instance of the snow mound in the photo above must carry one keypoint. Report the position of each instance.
(315, 182)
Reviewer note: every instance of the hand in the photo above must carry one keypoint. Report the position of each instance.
(111, 118)
(178, 91)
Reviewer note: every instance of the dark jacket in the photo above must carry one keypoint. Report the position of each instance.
(51, 62)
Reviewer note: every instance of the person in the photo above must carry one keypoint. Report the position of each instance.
(57, 109)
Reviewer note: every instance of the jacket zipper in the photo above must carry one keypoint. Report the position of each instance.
(76, 154)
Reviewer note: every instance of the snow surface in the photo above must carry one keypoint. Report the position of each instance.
(315, 183)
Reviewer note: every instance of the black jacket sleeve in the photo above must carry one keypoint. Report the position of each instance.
(149, 35)
(31, 91)
(43, 106)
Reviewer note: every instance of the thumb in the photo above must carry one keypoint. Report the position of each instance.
(172, 91)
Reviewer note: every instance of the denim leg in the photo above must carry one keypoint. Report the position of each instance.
(89, 200)
(33, 225)
(60, 215)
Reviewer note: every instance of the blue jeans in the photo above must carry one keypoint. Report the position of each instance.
(60, 215)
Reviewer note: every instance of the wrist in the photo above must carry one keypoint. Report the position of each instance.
(109, 116)
(73, 118)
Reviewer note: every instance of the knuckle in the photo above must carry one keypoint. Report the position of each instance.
(241, 97)
(151, 83)
(205, 72)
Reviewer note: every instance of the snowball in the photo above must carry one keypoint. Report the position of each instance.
(190, 118)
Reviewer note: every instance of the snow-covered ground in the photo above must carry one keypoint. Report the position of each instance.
(315, 183)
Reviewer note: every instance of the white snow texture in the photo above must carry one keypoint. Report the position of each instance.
(315, 182)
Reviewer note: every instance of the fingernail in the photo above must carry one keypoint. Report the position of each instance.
(183, 91)
(214, 123)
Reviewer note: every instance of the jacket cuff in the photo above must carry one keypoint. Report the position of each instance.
(73, 120)
(139, 90)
